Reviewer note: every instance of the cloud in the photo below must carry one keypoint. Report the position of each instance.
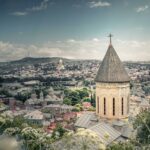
(77, 49)
(17, 13)
(42, 6)
(95, 4)
(142, 8)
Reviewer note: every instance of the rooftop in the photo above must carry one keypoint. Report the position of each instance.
(111, 69)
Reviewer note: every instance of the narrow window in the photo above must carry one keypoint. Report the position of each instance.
(97, 104)
(104, 106)
(128, 105)
(113, 106)
(122, 106)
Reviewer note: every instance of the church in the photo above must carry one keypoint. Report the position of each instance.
(112, 101)
(112, 87)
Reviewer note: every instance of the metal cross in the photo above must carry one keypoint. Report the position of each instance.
(110, 36)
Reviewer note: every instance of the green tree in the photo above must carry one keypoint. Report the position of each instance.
(93, 97)
(23, 96)
(5, 122)
(121, 146)
(58, 132)
(142, 125)
(74, 96)
(86, 99)
(67, 101)
(86, 82)
(83, 93)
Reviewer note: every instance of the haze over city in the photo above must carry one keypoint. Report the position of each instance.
(75, 29)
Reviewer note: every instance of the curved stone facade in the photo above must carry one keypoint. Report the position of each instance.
(112, 100)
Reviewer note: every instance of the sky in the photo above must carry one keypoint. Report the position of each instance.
(75, 29)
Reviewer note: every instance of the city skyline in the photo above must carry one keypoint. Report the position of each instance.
(75, 29)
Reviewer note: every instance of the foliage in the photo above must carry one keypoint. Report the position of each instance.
(78, 107)
(93, 97)
(142, 125)
(38, 90)
(86, 82)
(73, 96)
(35, 139)
(5, 122)
(5, 92)
(83, 93)
(10, 122)
(45, 92)
(121, 146)
(146, 89)
(76, 95)
(23, 96)
(86, 99)
(83, 139)
(58, 132)
(91, 108)
(12, 131)
(67, 101)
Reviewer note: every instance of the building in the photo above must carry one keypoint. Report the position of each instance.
(112, 87)
(60, 65)
(35, 117)
(107, 131)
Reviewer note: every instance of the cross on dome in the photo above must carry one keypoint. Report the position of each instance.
(110, 36)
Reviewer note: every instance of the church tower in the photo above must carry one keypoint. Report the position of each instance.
(112, 87)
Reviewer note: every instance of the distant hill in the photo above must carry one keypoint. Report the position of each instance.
(8, 66)
(33, 60)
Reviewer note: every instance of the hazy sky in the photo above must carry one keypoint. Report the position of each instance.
(74, 28)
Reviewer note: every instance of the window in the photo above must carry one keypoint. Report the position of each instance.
(104, 106)
(128, 105)
(113, 106)
(122, 106)
(97, 104)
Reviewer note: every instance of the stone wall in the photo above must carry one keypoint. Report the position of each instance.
(110, 91)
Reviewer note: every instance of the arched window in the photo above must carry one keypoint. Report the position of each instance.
(113, 106)
(128, 105)
(104, 106)
(97, 104)
(122, 106)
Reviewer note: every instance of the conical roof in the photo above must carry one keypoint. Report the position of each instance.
(111, 69)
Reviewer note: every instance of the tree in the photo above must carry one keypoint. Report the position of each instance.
(93, 100)
(5, 92)
(12, 131)
(33, 138)
(75, 98)
(83, 139)
(83, 93)
(23, 96)
(142, 125)
(45, 92)
(121, 146)
(86, 82)
(67, 101)
(11, 122)
(86, 99)
(58, 132)
(5, 122)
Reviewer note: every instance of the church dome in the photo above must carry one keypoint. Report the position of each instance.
(111, 69)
